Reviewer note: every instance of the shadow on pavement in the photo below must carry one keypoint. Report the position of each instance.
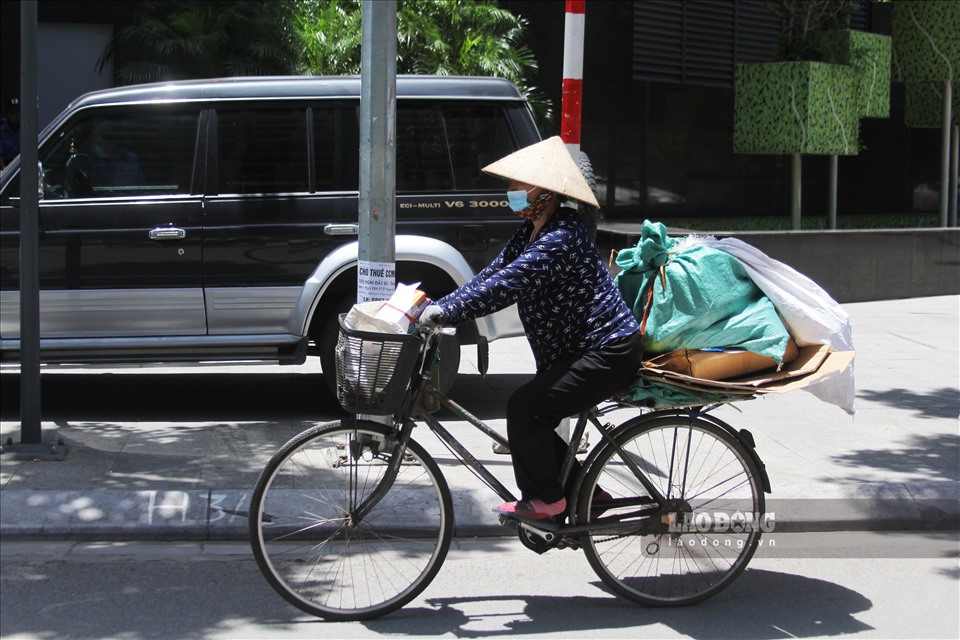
(122, 599)
(225, 397)
(935, 456)
(942, 403)
(189, 430)
(118, 397)
(760, 604)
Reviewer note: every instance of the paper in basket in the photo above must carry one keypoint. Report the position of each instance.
(396, 315)
(404, 306)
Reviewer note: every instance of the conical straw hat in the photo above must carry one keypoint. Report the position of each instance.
(547, 164)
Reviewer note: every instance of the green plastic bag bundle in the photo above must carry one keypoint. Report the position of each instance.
(695, 297)
(653, 393)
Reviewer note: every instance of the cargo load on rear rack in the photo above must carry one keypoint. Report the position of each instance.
(700, 300)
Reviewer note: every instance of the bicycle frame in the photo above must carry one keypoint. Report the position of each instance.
(422, 388)
(654, 503)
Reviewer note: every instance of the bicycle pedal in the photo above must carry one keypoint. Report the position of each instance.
(545, 525)
(567, 543)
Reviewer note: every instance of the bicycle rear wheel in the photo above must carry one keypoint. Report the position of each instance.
(307, 543)
(695, 546)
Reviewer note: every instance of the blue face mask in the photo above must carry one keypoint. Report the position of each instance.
(518, 199)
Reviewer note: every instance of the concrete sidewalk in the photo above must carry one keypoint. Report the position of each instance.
(173, 454)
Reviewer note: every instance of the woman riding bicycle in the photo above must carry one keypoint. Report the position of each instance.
(585, 340)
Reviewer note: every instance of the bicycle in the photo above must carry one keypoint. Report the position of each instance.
(352, 519)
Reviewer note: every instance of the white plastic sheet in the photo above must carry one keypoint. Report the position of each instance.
(809, 312)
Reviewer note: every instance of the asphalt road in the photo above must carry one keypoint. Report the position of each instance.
(857, 584)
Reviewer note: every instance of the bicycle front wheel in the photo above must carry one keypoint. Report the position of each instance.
(695, 544)
(308, 542)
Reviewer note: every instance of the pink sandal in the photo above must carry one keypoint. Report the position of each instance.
(533, 509)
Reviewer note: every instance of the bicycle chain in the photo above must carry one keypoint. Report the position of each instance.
(622, 535)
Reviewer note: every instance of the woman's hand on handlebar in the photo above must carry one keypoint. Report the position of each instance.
(432, 317)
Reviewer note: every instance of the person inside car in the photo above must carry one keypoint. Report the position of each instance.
(10, 132)
(110, 164)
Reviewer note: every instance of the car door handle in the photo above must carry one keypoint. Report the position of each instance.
(342, 229)
(167, 233)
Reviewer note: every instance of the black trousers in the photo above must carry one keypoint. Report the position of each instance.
(569, 386)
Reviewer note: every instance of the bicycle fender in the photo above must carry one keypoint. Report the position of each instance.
(745, 438)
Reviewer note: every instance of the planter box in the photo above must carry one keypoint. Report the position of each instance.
(926, 35)
(924, 105)
(796, 107)
(869, 54)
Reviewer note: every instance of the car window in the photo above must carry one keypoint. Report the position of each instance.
(336, 147)
(422, 162)
(477, 135)
(444, 147)
(262, 151)
(121, 153)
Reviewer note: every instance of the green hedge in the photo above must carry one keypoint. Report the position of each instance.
(869, 54)
(924, 104)
(796, 107)
(926, 40)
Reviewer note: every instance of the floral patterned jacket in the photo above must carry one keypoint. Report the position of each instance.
(567, 301)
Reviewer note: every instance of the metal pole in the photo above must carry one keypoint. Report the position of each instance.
(795, 192)
(30, 431)
(954, 170)
(376, 272)
(953, 175)
(945, 151)
(832, 189)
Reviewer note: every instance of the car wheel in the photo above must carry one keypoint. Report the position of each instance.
(326, 341)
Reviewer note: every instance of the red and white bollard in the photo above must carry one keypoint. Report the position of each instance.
(570, 114)
(572, 76)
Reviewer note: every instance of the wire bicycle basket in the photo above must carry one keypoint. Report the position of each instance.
(374, 369)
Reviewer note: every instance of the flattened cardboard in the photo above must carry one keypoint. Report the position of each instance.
(813, 363)
(690, 386)
(718, 365)
(836, 362)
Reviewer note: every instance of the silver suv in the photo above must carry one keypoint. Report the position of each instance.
(216, 220)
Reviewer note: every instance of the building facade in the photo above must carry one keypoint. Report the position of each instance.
(657, 105)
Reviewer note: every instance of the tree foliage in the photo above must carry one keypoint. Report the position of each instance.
(330, 34)
(434, 37)
(801, 18)
(176, 39)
